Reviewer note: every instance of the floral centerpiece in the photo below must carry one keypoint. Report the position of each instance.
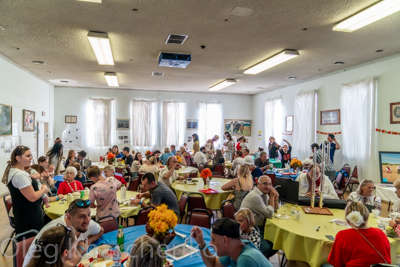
(111, 158)
(206, 173)
(295, 163)
(179, 159)
(161, 224)
(147, 154)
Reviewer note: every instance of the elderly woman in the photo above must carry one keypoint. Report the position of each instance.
(150, 166)
(166, 155)
(137, 163)
(360, 245)
(241, 185)
(305, 184)
(70, 185)
(184, 154)
(146, 253)
(168, 175)
(55, 156)
(181, 160)
(364, 195)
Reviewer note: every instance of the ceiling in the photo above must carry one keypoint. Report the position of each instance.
(55, 31)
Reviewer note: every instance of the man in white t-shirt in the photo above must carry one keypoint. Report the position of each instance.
(168, 174)
(200, 157)
(78, 217)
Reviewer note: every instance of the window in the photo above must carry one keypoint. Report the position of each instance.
(100, 122)
(210, 122)
(173, 123)
(273, 120)
(143, 123)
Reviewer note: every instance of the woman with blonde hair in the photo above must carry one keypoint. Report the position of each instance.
(70, 158)
(248, 230)
(186, 155)
(54, 248)
(166, 155)
(150, 166)
(240, 186)
(364, 195)
(146, 253)
(360, 245)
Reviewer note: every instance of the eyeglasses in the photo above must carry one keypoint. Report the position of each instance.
(267, 184)
(80, 204)
(67, 231)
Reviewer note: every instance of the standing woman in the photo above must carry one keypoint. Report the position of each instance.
(137, 163)
(230, 144)
(25, 192)
(55, 156)
(70, 159)
(196, 144)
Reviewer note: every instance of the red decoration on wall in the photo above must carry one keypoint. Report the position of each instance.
(388, 132)
(287, 133)
(324, 133)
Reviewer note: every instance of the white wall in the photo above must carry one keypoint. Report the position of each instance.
(72, 101)
(22, 90)
(386, 70)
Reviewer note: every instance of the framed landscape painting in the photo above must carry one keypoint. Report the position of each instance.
(330, 117)
(238, 127)
(123, 124)
(28, 118)
(5, 120)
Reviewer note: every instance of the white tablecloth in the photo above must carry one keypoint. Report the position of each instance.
(386, 193)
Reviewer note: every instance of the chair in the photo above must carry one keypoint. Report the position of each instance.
(134, 184)
(142, 217)
(354, 174)
(196, 201)
(272, 176)
(219, 168)
(193, 174)
(140, 186)
(8, 205)
(108, 223)
(193, 164)
(201, 167)
(87, 184)
(200, 217)
(119, 170)
(20, 249)
(182, 205)
(337, 185)
(217, 175)
(227, 209)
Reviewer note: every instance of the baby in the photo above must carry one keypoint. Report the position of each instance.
(35, 173)
(51, 170)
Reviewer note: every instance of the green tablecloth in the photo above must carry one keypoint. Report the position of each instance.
(301, 242)
(213, 201)
(276, 163)
(57, 209)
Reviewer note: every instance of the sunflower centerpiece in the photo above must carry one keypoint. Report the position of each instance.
(161, 224)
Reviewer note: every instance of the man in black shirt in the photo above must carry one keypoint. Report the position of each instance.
(128, 158)
(285, 153)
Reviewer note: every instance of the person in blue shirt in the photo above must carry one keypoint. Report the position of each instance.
(173, 150)
(166, 155)
(115, 151)
(231, 251)
(334, 145)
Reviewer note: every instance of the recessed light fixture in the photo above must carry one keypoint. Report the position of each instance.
(290, 78)
(101, 47)
(338, 63)
(222, 85)
(367, 16)
(111, 78)
(283, 56)
(38, 62)
(379, 50)
(64, 81)
(90, 1)
(157, 74)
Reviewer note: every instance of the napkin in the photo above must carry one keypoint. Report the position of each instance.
(208, 191)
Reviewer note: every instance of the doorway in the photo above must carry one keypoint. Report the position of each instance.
(42, 138)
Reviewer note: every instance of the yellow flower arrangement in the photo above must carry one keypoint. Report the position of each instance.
(162, 220)
(179, 159)
(295, 163)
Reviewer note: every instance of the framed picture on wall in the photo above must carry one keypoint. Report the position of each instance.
(394, 113)
(28, 118)
(5, 120)
(330, 117)
(238, 127)
(123, 124)
(71, 119)
(289, 123)
(192, 124)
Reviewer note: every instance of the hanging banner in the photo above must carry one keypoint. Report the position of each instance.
(287, 133)
(324, 133)
(387, 132)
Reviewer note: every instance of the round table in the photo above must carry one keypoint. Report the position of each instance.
(133, 232)
(213, 201)
(184, 170)
(311, 245)
(58, 208)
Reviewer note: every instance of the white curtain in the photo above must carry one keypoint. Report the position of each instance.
(357, 105)
(143, 123)
(100, 122)
(210, 122)
(273, 120)
(173, 123)
(304, 124)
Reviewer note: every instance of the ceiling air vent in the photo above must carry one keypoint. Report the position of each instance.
(338, 63)
(157, 74)
(178, 39)
(37, 62)
(63, 81)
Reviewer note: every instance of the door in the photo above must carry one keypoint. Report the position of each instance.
(42, 138)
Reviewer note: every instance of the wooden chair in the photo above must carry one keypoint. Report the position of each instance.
(142, 217)
(227, 209)
(354, 178)
(200, 217)
(134, 184)
(8, 204)
(20, 249)
(338, 184)
(182, 205)
(108, 223)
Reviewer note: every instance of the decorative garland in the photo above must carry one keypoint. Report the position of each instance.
(388, 132)
(324, 133)
(287, 133)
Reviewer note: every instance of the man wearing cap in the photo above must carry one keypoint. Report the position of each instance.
(210, 147)
(77, 216)
(334, 145)
(83, 161)
(255, 171)
(262, 201)
(231, 251)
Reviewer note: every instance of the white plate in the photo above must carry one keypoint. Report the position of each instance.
(283, 217)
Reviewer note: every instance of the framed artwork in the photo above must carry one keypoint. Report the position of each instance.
(192, 124)
(28, 118)
(123, 124)
(71, 119)
(289, 123)
(330, 117)
(238, 127)
(5, 120)
(394, 113)
(389, 165)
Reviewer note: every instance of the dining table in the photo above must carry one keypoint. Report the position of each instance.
(58, 208)
(304, 239)
(182, 230)
(213, 200)
(187, 169)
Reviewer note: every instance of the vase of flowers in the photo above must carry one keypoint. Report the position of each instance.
(296, 164)
(161, 224)
(206, 175)
(111, 158)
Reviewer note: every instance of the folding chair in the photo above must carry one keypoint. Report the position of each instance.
(196, 201)
(182, 205)
(134, 184)
(219, 168)
(227, 209)
(200, 217)
(20, 249)
(8, 205)
(142, 218)
(108, 223)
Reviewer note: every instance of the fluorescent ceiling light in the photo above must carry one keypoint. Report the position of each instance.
(272, 61)
(111, 78)
(90, 1)
(222, 85)
(101, 47)
(368, 16)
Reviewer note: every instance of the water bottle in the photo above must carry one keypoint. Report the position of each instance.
(123, 192)
(120, 239)
(117, 257)
(87, 192)
(208, 182)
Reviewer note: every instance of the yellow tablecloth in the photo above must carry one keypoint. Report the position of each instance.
(185, 170)
(301, 242)
(57, 209)
(213, 201)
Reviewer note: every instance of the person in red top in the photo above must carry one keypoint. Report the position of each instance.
(361, 245)
(238, 148)
(109, 172)
(70, 185)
